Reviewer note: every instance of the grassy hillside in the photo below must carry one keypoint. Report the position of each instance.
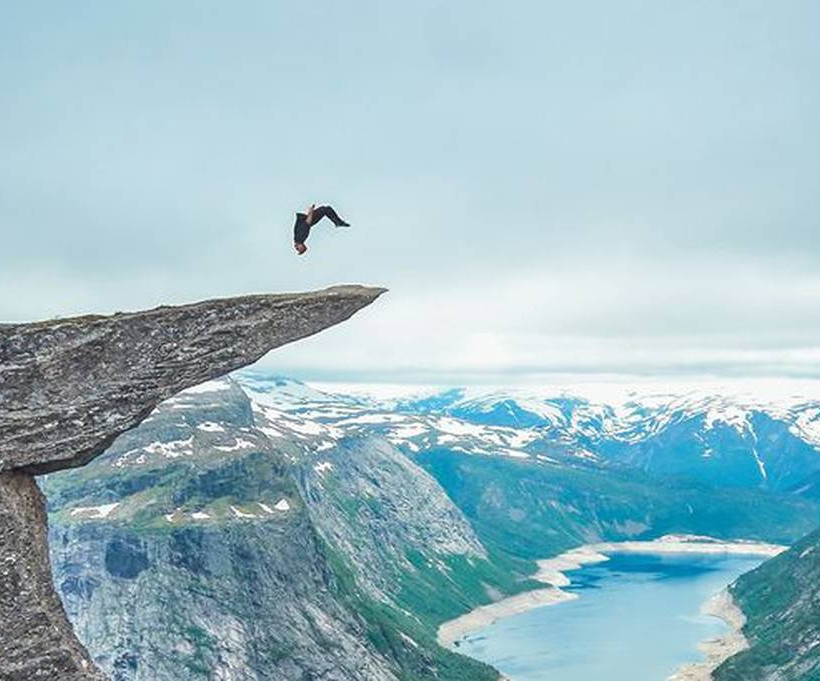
(531, 510)
(781, 600)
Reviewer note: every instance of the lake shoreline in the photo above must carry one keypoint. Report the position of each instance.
(552, 571)
(716, 650)
(453, 631)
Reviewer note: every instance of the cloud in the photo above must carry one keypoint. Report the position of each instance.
(673, 317)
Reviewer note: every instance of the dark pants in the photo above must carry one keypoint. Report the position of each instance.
(326, 212)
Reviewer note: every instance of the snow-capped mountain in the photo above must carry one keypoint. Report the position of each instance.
(737, 440)
(258, 500)
(257, 542)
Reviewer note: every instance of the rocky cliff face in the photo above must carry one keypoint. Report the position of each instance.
(242, 542)
(199, 537)
(374, 503)
(36, 640)
(68, 388)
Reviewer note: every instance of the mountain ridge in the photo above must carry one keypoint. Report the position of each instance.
(406, 536)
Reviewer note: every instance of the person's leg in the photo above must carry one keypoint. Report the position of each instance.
(328, 212)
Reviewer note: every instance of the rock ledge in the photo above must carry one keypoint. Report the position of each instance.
(69, 387)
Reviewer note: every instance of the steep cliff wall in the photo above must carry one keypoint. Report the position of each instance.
(36, 640)
(69, 387)
(225, 540)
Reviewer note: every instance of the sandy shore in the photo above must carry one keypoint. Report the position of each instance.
(553, 571)
(475, 620)
(716, 650)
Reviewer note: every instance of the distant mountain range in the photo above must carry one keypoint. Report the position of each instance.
(724, 441)
(259, 528)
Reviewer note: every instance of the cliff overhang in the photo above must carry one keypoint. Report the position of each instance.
(69, 387)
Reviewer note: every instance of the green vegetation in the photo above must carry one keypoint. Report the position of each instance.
(204, 646)
(459, 583)
(147, 494)
(408, 642)
(781, 601)
(527, 510)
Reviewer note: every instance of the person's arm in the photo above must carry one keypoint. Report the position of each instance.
(309, 218)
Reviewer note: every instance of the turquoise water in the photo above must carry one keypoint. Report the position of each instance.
(637, 619)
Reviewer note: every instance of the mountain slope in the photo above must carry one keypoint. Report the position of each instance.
(533, 510)
(738, 441)
(227, 548)
(536, 475)
(299, 533)
(781, 602)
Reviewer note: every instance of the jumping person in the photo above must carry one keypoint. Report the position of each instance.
(304, 221)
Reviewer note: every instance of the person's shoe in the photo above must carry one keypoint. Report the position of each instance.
(343, 224)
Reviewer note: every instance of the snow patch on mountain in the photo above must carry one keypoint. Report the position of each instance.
(171, 450)
(323, 467)
(238, 444)
(806, 424)
(554, 424)
(95, 512)
(239, 513)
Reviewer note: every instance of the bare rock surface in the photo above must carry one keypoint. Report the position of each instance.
(69, 387)
(36, 640)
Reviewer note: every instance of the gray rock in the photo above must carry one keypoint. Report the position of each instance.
(193, 571)
(36, 640)
(69, 387)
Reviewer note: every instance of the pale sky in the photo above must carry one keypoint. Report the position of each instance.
(587, 187)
